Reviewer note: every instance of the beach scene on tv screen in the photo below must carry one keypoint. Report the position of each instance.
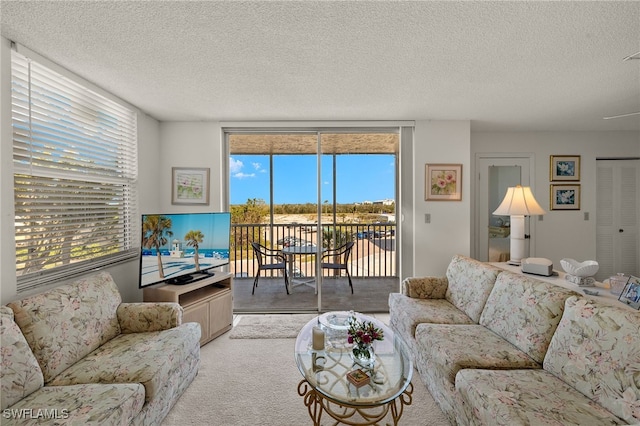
(174, 245)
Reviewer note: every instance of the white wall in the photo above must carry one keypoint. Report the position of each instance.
(563, 233)
(192, 144)
(449, 232)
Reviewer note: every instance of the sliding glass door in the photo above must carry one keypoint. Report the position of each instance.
(308, 195)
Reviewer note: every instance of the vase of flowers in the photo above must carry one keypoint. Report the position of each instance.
(362, 334)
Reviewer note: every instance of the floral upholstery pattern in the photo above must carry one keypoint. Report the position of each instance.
(525, 312)
(535, 354)
(526, 397)
(596, 350)
(470, 283)
(445, 349)
(98, 404)
(66, 323)
(20, 374)
(425, 287)
(146, 358)
(406, 313)
(180, 377)
(442, 300)
(145, 317)
(106, 362)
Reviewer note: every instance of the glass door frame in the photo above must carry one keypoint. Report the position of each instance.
(331, 128)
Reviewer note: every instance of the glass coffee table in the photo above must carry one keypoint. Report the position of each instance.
(325, 386)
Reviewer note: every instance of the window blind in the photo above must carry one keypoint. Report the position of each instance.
(75, 176)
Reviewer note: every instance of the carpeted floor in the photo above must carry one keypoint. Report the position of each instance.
(269, 326)
(249, 381)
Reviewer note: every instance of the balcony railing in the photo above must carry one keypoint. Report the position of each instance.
(373, 255)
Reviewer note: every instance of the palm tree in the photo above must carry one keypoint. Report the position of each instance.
(156, 233)
(193, 238)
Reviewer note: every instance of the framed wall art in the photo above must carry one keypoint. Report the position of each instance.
(564, 168)
(190, 186)
(631, 293)
(565, 197)
(443, 182)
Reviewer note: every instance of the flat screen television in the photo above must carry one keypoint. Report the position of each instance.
(184, 247)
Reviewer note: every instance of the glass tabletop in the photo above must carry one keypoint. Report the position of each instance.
(326, 370)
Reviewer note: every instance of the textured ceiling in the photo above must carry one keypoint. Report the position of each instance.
(506, 66)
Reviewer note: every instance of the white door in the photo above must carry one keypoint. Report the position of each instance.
(617, 223)
(495, 175)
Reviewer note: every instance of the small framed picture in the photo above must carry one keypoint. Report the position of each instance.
(443, 182)
(631, 293)
(565, 197)
(564, 167)
(190, 186)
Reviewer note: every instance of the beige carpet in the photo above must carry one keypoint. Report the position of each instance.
(248, 382)
(269, 326)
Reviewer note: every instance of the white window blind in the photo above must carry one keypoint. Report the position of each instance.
(75, 176)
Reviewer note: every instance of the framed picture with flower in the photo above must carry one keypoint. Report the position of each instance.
(564, 167)
(443, 182)
(190, 186)
(565, 197)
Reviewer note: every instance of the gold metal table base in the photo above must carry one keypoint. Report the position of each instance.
(344, 413)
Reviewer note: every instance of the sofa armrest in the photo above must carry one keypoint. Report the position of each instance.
(425, 287)
(144, 317)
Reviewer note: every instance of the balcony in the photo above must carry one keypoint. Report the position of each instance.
(372, 266)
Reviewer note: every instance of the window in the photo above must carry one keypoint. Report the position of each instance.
(75, 172)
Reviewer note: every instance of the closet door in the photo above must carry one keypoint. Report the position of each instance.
(617, 224)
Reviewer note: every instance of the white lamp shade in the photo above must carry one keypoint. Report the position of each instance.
(519, 201)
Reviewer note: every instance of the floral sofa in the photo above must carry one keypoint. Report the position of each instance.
(78, 355)
(498, 348)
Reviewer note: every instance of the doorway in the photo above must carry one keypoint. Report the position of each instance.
(316, 190)
(496, 173)
(617, 225)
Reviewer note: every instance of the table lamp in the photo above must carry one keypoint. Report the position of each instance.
(518, 203)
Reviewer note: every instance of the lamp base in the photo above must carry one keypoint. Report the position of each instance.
(514, 262)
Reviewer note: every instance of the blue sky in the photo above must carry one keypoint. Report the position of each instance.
(359, 178)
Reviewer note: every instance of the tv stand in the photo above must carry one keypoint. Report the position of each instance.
(207, 301)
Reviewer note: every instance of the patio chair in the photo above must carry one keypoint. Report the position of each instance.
(337, 260)
(269, 260)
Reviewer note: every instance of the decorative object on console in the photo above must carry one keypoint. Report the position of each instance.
(631, 293)
(564, 167)
(565, 197)
(443, 182)
(588, 268)
(537, 266)
(518, 203)
(617, 283)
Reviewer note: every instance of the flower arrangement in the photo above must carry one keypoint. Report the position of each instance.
(362, 334)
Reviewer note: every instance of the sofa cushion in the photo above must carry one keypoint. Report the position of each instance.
(65, 324)
(445, 349)
(526, 397)
(20, 374)
(470, 283)
(147, 358)
(406, 313)
(525, 311)
(450, 348)
(596, 350)
(97, 404)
